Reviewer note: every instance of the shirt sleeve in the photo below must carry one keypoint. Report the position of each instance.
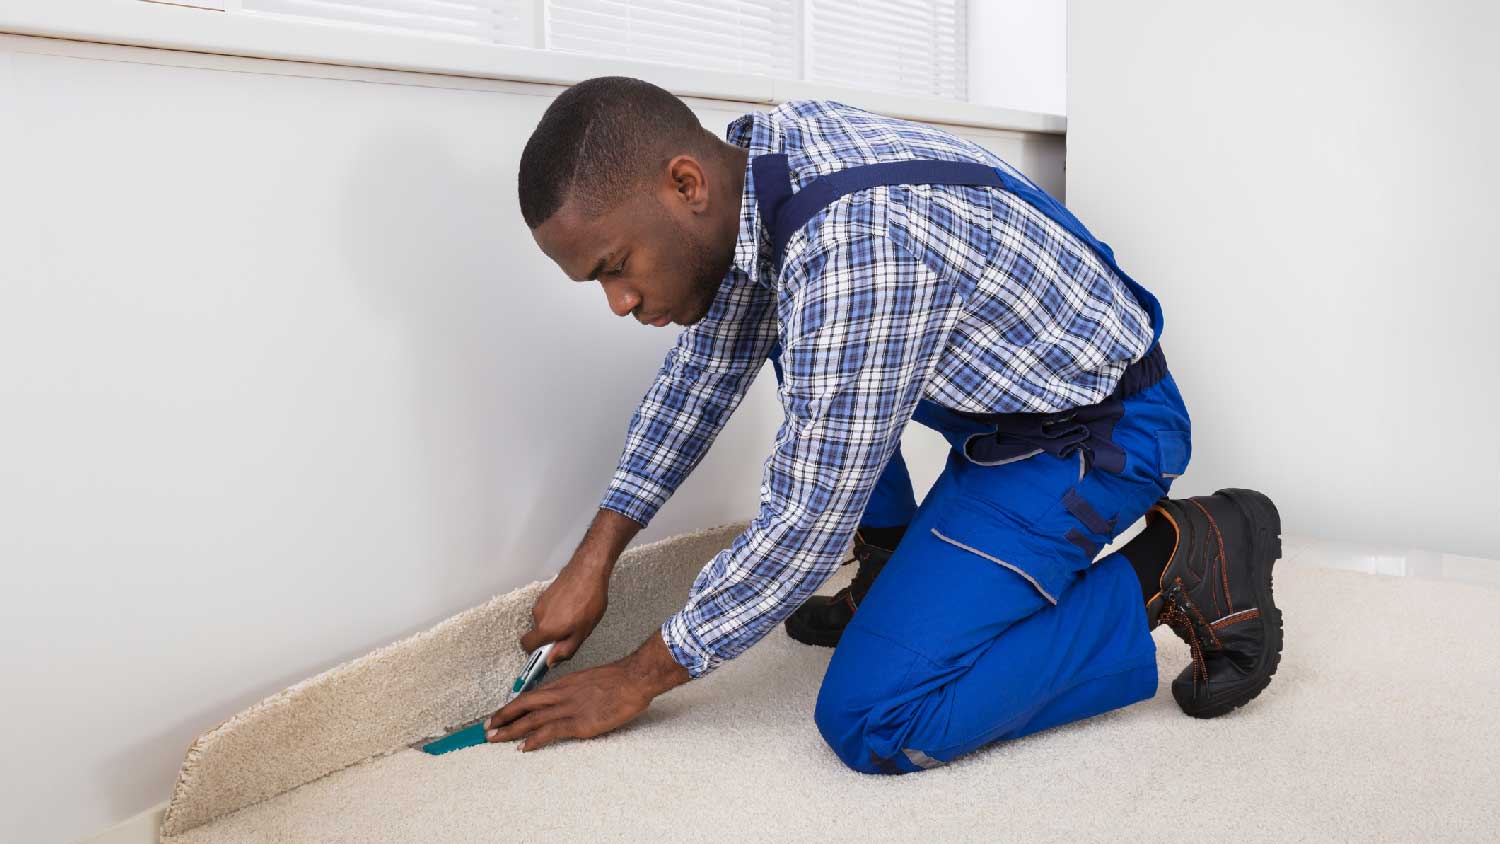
(702, 380)
(866, 324)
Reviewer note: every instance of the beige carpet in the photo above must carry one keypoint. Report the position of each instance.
(1380, 725)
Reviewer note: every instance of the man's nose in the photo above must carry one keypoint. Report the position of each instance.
(621, 302)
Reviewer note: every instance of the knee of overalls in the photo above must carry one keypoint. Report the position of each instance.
(844, 703)
(842, 729)
(846, 725)
(868, 704)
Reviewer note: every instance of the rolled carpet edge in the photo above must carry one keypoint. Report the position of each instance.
(418, 688)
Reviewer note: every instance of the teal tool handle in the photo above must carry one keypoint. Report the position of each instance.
(522, 684)
(467, 737)
(531, 674)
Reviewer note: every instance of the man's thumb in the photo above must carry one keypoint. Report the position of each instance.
(531, 640)
(564, 650)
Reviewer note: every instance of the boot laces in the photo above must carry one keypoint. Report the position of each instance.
(1184, 617)
(864, 577)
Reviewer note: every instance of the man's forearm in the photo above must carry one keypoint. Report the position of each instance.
(653, 664)
(605, 539)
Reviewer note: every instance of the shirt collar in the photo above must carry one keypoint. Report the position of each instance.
(752, 247)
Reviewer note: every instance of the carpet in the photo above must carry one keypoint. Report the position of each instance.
(1378, 726)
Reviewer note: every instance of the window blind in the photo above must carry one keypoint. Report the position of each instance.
(742, 36)
(915, 47)
(491, 21)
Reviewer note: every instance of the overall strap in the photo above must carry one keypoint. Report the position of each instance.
(784, 211)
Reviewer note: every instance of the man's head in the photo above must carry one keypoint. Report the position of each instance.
(620, 183)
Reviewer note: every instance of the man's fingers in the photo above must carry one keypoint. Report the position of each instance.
(563, 651)
(536, 637)
(561, 728)
(525, 702)
(531, 640)
(525, 724)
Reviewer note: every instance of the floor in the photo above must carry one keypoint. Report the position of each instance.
(1379, 726)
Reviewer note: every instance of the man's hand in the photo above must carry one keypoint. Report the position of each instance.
(591, 702)
(572, 605)
(568, 611)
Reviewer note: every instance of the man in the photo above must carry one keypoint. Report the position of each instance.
(925, 279)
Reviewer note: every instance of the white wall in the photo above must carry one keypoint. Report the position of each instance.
(284, 378)
(1018, 54)
(1309, 187)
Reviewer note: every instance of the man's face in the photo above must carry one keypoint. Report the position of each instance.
(660, 255)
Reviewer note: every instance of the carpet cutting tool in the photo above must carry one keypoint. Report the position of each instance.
(531, 674)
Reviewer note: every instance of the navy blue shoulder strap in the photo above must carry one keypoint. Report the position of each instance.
(784, 211)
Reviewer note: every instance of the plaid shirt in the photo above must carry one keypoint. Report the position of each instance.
(963, 295)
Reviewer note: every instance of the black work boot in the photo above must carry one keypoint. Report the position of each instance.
(1216, 595)
(821, 621)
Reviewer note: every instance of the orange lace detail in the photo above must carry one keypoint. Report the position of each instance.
(1183, 616)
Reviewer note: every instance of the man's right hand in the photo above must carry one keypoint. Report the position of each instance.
(572, 606)
(569, 610)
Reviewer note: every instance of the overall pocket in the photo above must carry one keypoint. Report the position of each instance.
(1173, 451)
(971, 526)
(1102, 505)
(1018, 491)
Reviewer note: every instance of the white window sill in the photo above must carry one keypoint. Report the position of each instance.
(134, 23)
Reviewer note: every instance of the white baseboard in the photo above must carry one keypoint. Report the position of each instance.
(140, 829)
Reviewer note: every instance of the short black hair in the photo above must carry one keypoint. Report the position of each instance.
(600, 139)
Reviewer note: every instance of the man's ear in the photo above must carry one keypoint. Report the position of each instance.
(689, 182)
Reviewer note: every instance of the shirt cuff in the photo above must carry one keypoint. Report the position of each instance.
(686, 647)
(632, 495)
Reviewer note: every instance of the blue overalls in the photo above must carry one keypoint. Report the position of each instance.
(992, 620)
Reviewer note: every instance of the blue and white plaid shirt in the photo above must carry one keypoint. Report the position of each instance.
(964, 295)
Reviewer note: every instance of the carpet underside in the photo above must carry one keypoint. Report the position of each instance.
(1378, 726)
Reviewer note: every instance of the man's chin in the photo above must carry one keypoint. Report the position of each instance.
(698, 315)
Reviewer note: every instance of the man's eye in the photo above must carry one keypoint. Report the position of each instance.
(619, 269)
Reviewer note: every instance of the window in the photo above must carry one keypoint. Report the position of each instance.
(492, 21)
(911, 47)
(743, 36)
(891, 45)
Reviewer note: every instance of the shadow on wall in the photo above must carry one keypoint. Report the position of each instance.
(499, 364)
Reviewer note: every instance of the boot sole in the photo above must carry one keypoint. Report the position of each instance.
(1265, 550)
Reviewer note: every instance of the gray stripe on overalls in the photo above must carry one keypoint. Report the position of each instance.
(920, 759)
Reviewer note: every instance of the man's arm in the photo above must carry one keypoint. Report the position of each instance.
(604, 541)
(700, 384)
(867, 324)
(704, 378)
(573, 604)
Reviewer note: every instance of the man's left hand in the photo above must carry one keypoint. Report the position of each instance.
(591, 702)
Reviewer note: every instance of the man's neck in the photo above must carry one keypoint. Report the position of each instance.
(739, 158)
(736, 160)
